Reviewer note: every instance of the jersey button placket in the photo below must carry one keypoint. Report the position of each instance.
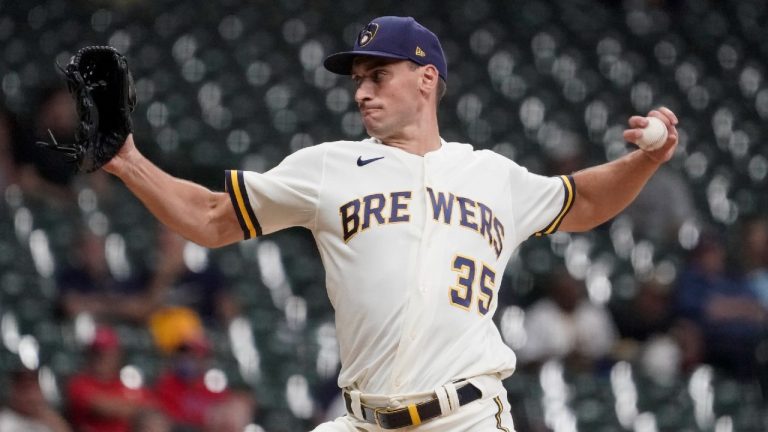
(427, 232)
(427, 264)
(413, 306)
(424, 246)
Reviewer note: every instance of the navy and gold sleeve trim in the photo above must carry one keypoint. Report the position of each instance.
(239, 196)
(570, 196)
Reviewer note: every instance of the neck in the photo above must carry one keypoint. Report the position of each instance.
(418, 138)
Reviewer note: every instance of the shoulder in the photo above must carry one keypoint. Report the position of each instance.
(485, 156)
(465, 149)
(331, 146)
(340, 145)
(457, 147)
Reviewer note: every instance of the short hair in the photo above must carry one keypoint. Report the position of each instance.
(442, 88)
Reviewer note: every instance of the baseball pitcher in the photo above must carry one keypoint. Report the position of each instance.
(414, 232)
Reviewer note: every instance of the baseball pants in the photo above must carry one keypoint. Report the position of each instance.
(489, 413)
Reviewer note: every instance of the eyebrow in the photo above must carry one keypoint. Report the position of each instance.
(371, 63)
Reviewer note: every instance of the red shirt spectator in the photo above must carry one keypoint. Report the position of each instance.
(182, 390)
(99, 400)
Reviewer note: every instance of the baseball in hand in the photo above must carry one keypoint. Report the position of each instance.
(654, 135)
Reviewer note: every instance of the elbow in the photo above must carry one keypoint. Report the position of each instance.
(218, 231)
(214, 243)
(207, 242)
(211, 237)
(219, 226)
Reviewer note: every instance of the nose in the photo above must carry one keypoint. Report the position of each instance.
(363, 92)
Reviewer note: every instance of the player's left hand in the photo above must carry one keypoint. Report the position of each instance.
(637, 123)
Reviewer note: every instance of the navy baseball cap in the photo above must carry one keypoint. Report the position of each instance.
(392, 37)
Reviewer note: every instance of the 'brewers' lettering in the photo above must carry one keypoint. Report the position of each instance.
(377, 209)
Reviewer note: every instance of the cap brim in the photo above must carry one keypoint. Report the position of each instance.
(341, 63)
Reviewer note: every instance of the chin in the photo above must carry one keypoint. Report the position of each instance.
(373, 132)
(377, 130)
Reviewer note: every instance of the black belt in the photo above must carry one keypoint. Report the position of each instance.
(413, 414)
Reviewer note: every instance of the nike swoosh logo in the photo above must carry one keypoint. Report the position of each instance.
(361, 162)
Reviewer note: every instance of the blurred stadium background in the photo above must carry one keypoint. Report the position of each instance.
(240, 84)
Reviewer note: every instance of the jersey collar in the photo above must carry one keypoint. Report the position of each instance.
(430, 154)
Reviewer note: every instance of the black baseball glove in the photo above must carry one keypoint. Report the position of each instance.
(99, 80)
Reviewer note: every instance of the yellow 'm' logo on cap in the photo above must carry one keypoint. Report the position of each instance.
(420, 52)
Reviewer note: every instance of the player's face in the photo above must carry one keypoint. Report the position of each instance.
(387, 94)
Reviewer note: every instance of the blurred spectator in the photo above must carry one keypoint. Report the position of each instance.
(661, 208)
(664, 345)
(187, 278)
(688, 337)
(26, 409)
(197, 401)
(151, 421)
(9, 135)
(173, 327)
(566, 325)
(329, 402)
(753, 256)
(47, 173)
(232, 415)
(649, 313)
(87, 285)
(99, 400)
(726, 312)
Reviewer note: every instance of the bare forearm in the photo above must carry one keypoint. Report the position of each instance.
(200, 215)
(181, 205)
(605, 190)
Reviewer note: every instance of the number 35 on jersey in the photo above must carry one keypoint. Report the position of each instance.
(474, 287)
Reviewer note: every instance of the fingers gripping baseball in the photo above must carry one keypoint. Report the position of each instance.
(648, 134)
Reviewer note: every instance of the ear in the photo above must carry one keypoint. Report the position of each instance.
(429, 79)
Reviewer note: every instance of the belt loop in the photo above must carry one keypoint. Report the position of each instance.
(357, 409)
(442, 398)
(453, 396)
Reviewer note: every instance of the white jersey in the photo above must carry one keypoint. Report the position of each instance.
(414, 249)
